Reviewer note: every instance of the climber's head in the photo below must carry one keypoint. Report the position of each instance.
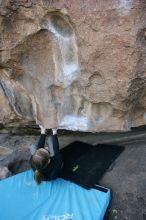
(40, 160)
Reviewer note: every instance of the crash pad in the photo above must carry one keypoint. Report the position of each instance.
(22, 199)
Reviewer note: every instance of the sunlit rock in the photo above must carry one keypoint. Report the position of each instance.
(73, 65)
(4, 173)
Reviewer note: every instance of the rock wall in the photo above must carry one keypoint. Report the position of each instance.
(78, 65)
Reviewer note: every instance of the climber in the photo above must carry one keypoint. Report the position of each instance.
(46, 162)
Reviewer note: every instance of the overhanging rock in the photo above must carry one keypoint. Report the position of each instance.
(79, 68)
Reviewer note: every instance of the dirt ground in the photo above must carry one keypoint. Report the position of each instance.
(126, 177)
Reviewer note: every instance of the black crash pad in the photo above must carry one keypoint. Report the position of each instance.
(85, 164)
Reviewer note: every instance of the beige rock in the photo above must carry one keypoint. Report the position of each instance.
(74, 65)
(5, 110)
(4, 173)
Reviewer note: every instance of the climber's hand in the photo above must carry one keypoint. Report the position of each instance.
(54, 131)
(43, 130)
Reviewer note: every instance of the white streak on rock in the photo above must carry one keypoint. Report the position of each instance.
(74, 123)
(125, 6)
(68, 69)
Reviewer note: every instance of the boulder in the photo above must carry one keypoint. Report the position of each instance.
(76, 65)
(4, 173)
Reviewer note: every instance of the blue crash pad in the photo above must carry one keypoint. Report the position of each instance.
(22, 199)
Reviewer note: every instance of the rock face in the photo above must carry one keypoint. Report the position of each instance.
(4, 173)
(78, 65)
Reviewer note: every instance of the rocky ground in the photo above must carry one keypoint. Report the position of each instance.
(126, 177)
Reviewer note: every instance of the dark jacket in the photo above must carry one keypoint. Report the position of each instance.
(53, 169)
